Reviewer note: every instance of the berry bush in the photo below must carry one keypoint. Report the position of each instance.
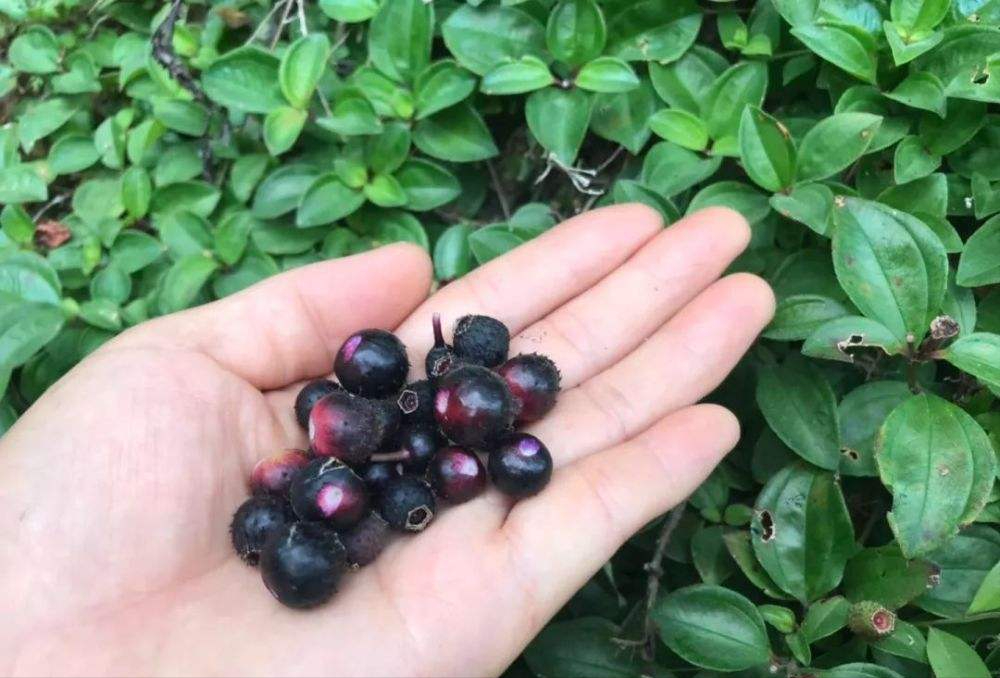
(154, 156)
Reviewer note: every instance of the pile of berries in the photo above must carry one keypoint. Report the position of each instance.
(383, 452)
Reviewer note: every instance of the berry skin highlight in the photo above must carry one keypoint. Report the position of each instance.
(311, 394)
(302, 564)
(372, 363)
(327, 490)
(533, 381)
(473, 406)
(253, 523)
(521, 466)
(457, 475)
(345, 427)
(273, 475)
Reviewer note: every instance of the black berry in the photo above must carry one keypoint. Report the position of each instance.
(328, 490)
(253, 523)
(302, 564)
(416, 402)
(473, 406)
(388, 417)
(407, 504)
(372, 363)
(481, 340)
(457, 475)
(533, 381)
(441, 358)
(377, 473)
(521, 466)
(365, 541)
(419, 444)
(274, 474)
(346, 427)
(311, 394)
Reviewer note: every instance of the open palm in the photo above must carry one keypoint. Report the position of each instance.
(116, 488)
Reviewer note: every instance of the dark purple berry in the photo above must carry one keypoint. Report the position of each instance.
(533, 381)
(254, 521)
(481, 340)
(377, 473)
(372, 363)
(329, 491)
(473, 406)
(302, 563)
(407, 504)
(311, 394)
(388, 418)
(346, 427)
(274, 474)
(457, 475)
(521, 466)
(419, 444)
(416, 402)
(365, 541)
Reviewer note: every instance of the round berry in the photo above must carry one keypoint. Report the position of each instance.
(388, 418)
(311, 394)
(254, 521)
(329, 491)
(416, 402)
(274, 474)
(302, 563)
(377, 473)
(345, 427)
(457, 475)
(407, 504)
(441, 358)
(372, 363)
(419, 444)
(481, 340)
(533, 381)
(365, 541)
(473, 406)
(521, 466)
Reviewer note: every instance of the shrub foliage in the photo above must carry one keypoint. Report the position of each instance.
(154, 156)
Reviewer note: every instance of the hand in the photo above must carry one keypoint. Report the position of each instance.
(117, 486)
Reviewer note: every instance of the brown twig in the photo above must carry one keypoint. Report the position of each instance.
(498, 189)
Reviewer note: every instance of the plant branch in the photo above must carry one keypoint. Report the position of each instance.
(654, 569)
(498, 189)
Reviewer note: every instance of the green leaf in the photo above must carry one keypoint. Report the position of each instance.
(799, 405)
(942, 136)
(351, 115)
(905, 641)
(884, 575)
(326, 201)
(72, 153)
(905, 49)
(245, 79)
(441, 85)
(861, 414)
(426, 184)
(741, 85)
(951, 657)
(137, 190)
(713, 627)
(735, 195)
(809, 204)
(796, 12)
(649, 30)
(824, 618)
(301, 68)
(799, 315)
(890, 264)
(939, 465)
(845, 46)
(20, 184)
(964, 562)
(913, 161)
(766, 150)
(859, 670)
(134, 250)
(607, 74)
(197, 197)
(39, 120)
(739, 547)
(919, 16)
(682, 128)
(383, 190)
(977, 354)
(26, 277)
(834, 143)
(349, 11)
(399, 38)
(802, 532)
(921, 90)
(480, 38)
(452, 253)
(184, 281)
(491, 242)
(626, 191)
(928, 195)
(232, 235)
(35, 50)
(16, 224)
(980, 261)
(457, 134)
(558, 119)
(112, 284)
(576, 33)
(282, 190)
(581, 647)
(282, 128)
(987, 597)
(710, 556)
(670, 169)
(517, 77)
(624, 117)
(685, 83)
(26, 328)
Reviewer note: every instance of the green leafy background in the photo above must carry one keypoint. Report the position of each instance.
(155, 156)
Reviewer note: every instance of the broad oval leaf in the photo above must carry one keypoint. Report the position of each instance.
(799, 315)
(26, 328)
(184, 281)
(834, 143)
(245, 79)
(457, 134)
(845, 46)
(861, 414)
(302, 66)
(426, 184)
(980, 260)
(650, 30)
(282, 127)
(282, 190)
(977, 354)
(584, 648)
(326, 201)
(441, 85)
(737, 87)
(859, 670)
(576, 32)
(963, 563)
(517, 77)
(482, 37)
(680, 127)
(399, 38)
(607, 74)
(558, 119)
(951, 657)
(766, 150)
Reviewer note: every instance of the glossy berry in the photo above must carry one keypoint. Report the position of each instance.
(253, 523)
(441, 358)
(521, 466)
(407, 504)
(481, 340)
(311, 394)
(457, 475)
(273, 474)
(419, 444)
(329, 491)
(372, 363)
(345, 427)
(533, 381)
(473, 406)
(365, 541)
(377, 473)
(416, 402)
(302, 564)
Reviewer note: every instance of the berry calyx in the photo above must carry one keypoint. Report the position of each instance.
(372, 363)
(473, 406)
(345, 427)
(457, 475)
(481, 340)
(407, 504)
(533, 380)
(364, 542)
(441, 358)
(521, 466)
(311, 394)
(870, 619)
(419, 445)
(253, 523)
(273, 475)
(302, 563)
(416, 402)
(327, 490)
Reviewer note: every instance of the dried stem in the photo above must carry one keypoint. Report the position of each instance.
(281, 24)
(498, 189)
(654, 569)
(58, 200)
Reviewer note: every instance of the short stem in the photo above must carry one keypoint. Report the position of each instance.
(381, 457)
(912, 365)
(438, 332)
(655, 569)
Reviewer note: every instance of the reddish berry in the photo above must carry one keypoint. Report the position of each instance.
(327, 490)
(274, 474)
(457, 475)
(345, 427)
(311, 394)
(473, 406)
(533, 381)
(372, 363)
(521, 466)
